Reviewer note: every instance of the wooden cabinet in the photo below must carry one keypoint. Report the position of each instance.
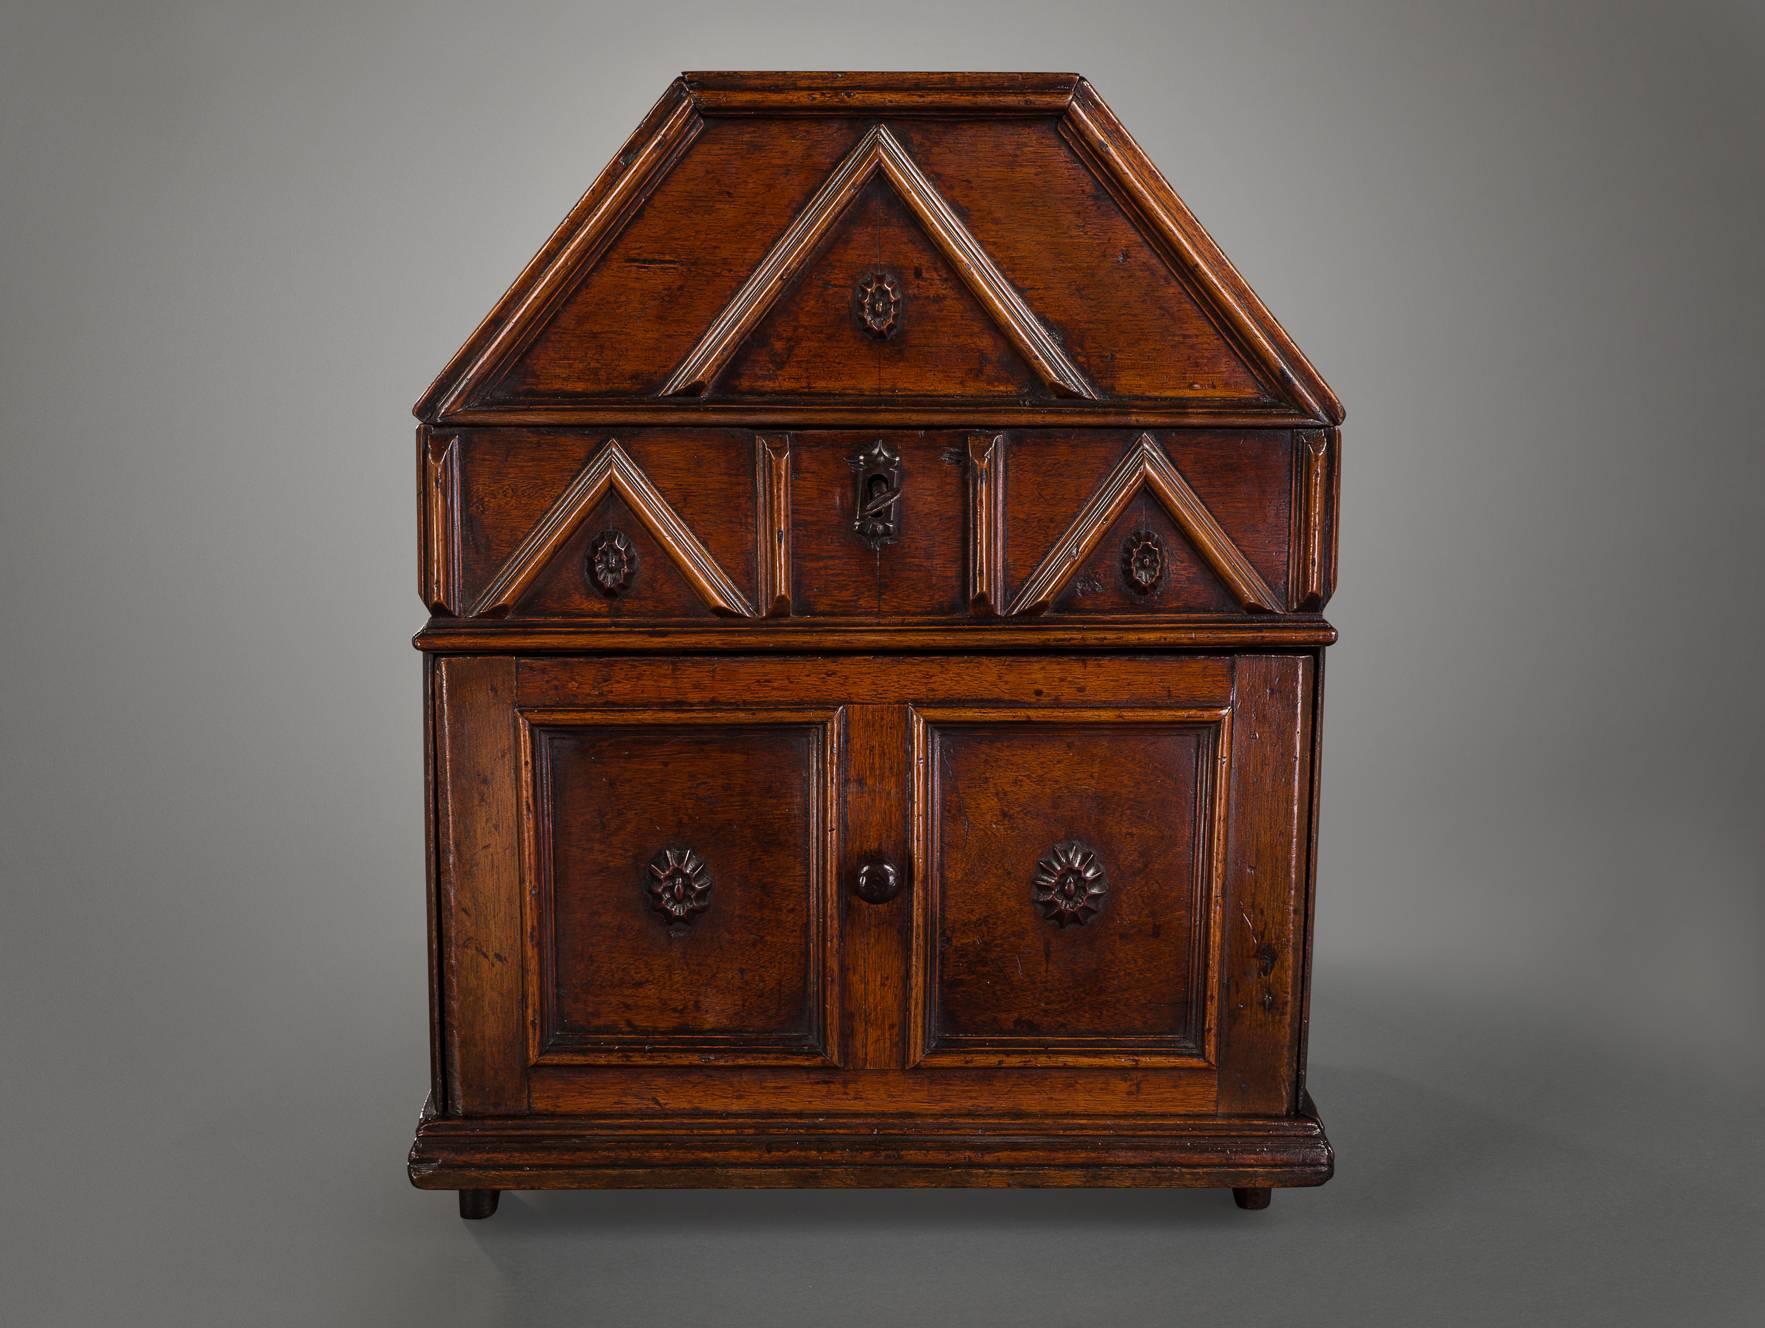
(873, 680)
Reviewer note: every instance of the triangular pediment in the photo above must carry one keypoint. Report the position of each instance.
(1144, 470)
(1034, 257)
(910, 326)
(610, 472)
(878, 155)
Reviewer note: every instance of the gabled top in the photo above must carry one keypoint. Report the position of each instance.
(822, 247)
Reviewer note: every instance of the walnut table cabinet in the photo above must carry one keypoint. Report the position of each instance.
(876, 554)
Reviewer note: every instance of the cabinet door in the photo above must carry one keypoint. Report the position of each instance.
(1117, 878)
(1072, 859)
(629, 885)
(678, 865)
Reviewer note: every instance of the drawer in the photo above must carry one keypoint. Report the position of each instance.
(971, 879)
(698, 527)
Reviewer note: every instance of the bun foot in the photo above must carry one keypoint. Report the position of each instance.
(1253, 1197)
(476, 1204)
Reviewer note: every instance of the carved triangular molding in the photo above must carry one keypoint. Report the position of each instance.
(878, 150)
(1145, 466)
(612, 468)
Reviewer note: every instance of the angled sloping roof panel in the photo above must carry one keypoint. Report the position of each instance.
(720, 224)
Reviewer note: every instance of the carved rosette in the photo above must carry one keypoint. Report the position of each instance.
(879, 303)
(612, 562)
(679, 885)
(1070, 884)
(1143, 562)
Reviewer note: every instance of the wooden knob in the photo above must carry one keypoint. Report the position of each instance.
(877, 881)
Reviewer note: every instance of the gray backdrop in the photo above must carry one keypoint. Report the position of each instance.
(1522, 242)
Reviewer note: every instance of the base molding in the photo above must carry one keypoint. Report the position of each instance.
(652, 1152)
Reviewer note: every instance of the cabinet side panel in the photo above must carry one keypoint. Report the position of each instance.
(431, 903)
(1314, 766)
(1262, 960)
(479, 888)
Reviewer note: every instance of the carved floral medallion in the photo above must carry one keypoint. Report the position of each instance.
(612, 562)
(679, 885)
(1143, 562)
(1070, 884)
(879, 303)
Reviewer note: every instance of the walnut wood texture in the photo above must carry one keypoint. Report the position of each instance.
(875, 555)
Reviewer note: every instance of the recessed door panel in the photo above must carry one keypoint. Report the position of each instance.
(681, 863)
(1072, 865)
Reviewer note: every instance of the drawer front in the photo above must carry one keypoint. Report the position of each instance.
(720, 526)
(917, 884)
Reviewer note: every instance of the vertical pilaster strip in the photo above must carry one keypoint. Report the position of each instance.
(440, 570)
(479, 886)
(873, 1030)
(1313, 554)
(986, 521)
(1268, 832)
(772, 482)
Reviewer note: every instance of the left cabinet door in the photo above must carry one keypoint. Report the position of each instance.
(629, 886)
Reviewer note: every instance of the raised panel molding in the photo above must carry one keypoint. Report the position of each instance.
(877, 150)
(440, 564)
(1145, 466)
(772, 482)
(986, 521)
(1315, 480)
(612, 468)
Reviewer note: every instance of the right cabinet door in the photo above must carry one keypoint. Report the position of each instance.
(1116, 879)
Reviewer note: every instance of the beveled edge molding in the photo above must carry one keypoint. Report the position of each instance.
(1145, 464)
(571, 249)
(440, 562)
(870, 413)
(612, 468)
(831, 92)
(1110, 151)
(833, 1148)
(459, 636)
(986, 523)
(1314, 484)
(876, 150)
(772, 524)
